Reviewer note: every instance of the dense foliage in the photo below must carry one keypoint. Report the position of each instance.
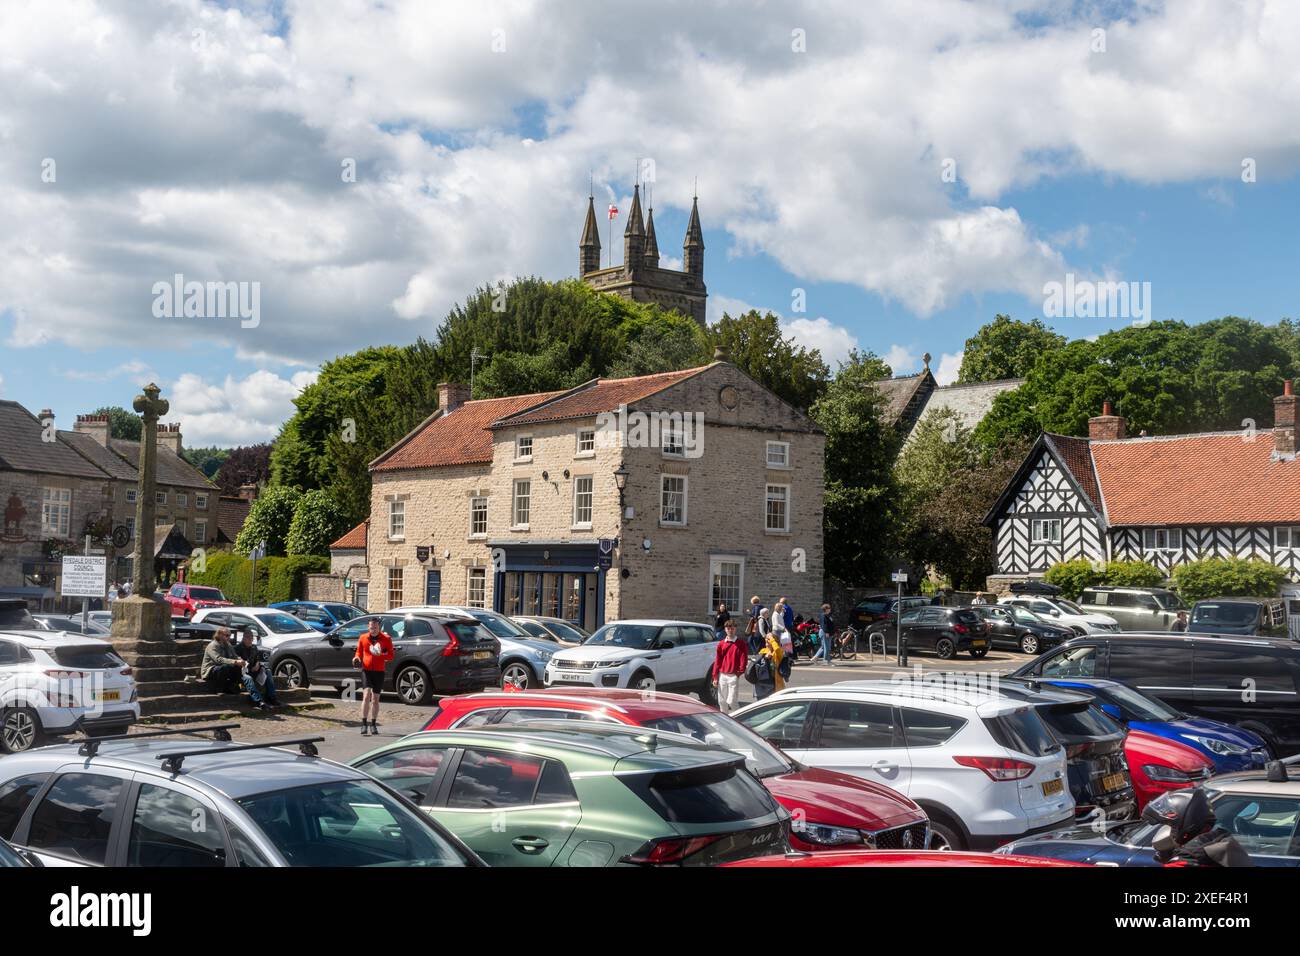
(1227, 577)
(122, 424)
(1073, 576)
(278, 579)
(1006, 348)
(269, 520)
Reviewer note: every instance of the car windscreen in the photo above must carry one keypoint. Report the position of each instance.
(348, 823)
(720, 793)
(502, 627)
(86, 657)
(284, 624)
(1135, 705)
(8, 858)
(206, 594)
(1069, 606)
(1022, 731)
(568, 632)
(1226, 614)
(723, 731)
(344, 612)
(1168, 600)
(1023, 616)
(638, 636)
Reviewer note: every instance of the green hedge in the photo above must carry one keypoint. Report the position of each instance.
(1227, 577)
(1073, 576)
(278, 579)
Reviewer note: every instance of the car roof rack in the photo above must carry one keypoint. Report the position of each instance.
(90, 746)
(173, 761)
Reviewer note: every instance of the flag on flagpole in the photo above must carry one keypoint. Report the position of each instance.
(613, 211)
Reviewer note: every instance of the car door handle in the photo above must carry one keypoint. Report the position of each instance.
(881, 766)
(530, 844)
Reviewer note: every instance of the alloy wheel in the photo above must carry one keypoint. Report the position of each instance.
(18, 731)
(410, 685)
(290, 673)
(516, 675)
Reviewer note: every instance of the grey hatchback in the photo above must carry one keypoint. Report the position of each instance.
(136, 800)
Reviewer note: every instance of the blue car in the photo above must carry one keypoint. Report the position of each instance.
(324, 616)
(1229, 748)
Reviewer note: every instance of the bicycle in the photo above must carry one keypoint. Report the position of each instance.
(845, 644)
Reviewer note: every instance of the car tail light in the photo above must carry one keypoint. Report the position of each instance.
(961, 628)
(453, 646)
(998, 768)
(670, 850)
(125, 672)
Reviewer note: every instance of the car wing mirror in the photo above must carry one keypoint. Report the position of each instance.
(1113, 711)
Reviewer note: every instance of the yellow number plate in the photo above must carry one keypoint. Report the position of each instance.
(1113, 781)
(111, 695)
(1052, 787)
(482, 655)
(977, 643)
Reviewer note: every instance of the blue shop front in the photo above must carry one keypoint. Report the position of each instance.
(564, 580)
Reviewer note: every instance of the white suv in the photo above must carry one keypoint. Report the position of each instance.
(1065, 613)
(641, 654)
(53, 683)
(271, 626)
(984, 768)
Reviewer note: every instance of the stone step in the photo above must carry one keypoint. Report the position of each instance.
(210, 705)
(152, 675)
(168, 688)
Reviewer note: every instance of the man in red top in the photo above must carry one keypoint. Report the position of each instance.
(374, 651)
(728, 665)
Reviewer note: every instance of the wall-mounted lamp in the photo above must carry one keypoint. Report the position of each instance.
(620, 482)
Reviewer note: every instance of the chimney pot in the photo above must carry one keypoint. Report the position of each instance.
(1107, 426)
(1284, 421)
(452, 395)
(720, 353)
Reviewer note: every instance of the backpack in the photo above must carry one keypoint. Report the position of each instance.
(758, 670)
(786, 667)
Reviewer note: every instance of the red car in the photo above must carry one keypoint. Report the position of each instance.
(185, 599)
(923, 858)
(831, 810)
(1158, 765)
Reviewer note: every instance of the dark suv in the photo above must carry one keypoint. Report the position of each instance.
(1253, 682)
(1014, 627)
(445, 653)
(1263, 617)
(943, 630)
(883, 607)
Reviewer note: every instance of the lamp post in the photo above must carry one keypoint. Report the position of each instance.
(620, 482)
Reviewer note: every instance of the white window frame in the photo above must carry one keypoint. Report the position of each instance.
(578, 522)
(685, 493)
(201, 502)
(1037, 527)
(181, 525)
(1289, 533)
(131, 495)
(677, 450)
(56, 512)
(474, 504)
(401, 588)
(397, 521)
(767, 499)
(182, 500)
(578, 443)
(473, 575)
(515, 498)
(784, 465)
(160, 497)
(520, 454)
(1173, 539)
(200, 531)
(715, 560)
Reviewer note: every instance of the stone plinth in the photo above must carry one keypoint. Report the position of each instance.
(140, 618)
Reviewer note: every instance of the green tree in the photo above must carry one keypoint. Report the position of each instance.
(1227, 577)
(1006, 348)
(518, 373)
(269, 520)
(207, 460)
(122, 424)
(317, 521)
(677, 343)
(756, 345)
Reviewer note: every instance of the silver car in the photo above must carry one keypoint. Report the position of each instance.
(523, 657)
(565, 633)
(1135, 609)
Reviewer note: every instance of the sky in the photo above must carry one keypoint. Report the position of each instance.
(885, 176)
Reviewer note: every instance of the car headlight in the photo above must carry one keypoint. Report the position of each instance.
(824, 835)
(1170, 774)
(1221, 747)
(610, 663)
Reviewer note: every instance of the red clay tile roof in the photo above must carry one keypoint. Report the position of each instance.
(354, 540)
(601, 395)
(232, 512)
(1073, 453)
(462, 438)
(1215, 478)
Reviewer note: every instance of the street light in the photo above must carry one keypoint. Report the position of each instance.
(620, 481)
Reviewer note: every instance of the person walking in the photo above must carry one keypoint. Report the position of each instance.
(827, 625)
(728, 664)
(762, 631)
(770, 677)
(720, 621)
(751, 625)
(781, 629)
(788, 613)
(374, 651)
(1180, 622)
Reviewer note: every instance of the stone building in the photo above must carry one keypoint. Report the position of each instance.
(640, 277)
(652, 496)
(909, 399)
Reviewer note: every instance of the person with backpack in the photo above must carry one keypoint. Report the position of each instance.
(751, 625)
(731, 658)
(773, 668)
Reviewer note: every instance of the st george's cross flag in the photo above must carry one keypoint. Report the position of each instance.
(613, 211)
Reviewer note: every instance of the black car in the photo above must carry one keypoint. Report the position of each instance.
(1017, 628)
(943, 630)
(884, 607)
(436, 653)
(1094, 747)
(1253, 682)
(1260, 617)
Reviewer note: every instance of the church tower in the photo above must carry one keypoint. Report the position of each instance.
(639, 277)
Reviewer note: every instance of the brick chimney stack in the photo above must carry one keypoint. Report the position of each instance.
(169, 436)
(1284, 421)
(248, 492)
(452, 395)
(1107, 426)
(96, 426)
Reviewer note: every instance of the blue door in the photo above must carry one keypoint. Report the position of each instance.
(433, 586)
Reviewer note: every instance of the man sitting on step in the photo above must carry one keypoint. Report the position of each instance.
(257, 679)
(222, 670)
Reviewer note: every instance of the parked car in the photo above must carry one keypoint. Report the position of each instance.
(1262, 815)
(68, 624)
(943, 631)
(435, 653)
(187, 599)
(1062, 612)
(641, 654)
(523, 658)
(13, 858)
(324, 616)
(1014, 627)
(983, 767)
(1094, 746)
(271, 628)
(133, 802)
(1158, 765)
(1135, 609)
(103, 618)
(1263, 617)
(909, 858)
(1041, 588)
(836, 809)
(1227, 747)
(884, 607)
(15, 616)
(585, 794)
(552, 629)
(53, 684)
(1252, 682)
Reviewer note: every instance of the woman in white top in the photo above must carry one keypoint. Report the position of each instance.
(779, 629)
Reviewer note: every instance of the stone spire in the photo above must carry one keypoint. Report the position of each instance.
(634, 234)
(651, 245)
(693, 246)
(589, 247)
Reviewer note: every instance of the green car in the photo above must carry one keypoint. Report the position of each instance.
(585, 794)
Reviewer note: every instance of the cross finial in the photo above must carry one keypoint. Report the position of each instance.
(149, 405)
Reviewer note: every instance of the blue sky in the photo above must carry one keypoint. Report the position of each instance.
(1085, 140)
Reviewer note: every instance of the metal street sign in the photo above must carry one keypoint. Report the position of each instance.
(899, 577)
(421, 553)
(605, 552)
(83, 576)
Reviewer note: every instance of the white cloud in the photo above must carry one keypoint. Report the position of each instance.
(834, 341)
(235, 411)
(902, 360)
(134, 368)
(949, 368)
